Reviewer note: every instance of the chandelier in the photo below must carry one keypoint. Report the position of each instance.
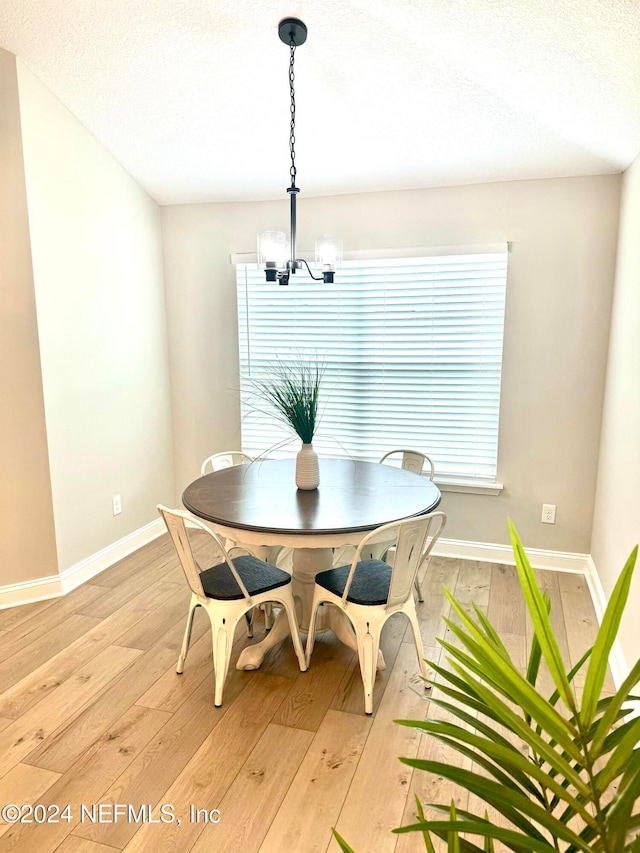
(272, 245)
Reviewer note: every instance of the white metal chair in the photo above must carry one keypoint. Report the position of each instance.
(226, 459)
(227, 590)
(370, 591)
(413, 460)
(217, 462)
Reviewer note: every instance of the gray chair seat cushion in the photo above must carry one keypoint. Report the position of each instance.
(370, 584)
(218, 582)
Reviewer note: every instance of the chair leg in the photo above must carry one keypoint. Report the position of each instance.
(222, 631)
(418, 582)
(187, 635)
(311, 634)
(289, 606)
(249, 619)
(368, 637)
(412, 616)
(268, 616)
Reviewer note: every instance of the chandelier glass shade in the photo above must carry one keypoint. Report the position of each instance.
(278, 260)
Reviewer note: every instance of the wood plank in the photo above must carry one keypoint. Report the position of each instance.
(311, 693)
(31, 629)
(41, 649)
(316, 795)
(378, 793)
(580, 621)
(18, 739)
(114, 597)
(99, 766)
(518, 649)
(4, 722)
(250, 804)
(132, 563)
(171, 690)
(10, 617)
(473, 583)
(208, 775)
(46, 678)
(506, 609)
(172, 572)
(429, 787)
(431, 615)
(64, 747)
(547, 579)
(148, 630)
(156, 768)
(24, 785)
(73, 844)
(578, 608)
(440, 572)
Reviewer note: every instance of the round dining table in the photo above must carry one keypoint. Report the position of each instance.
(259, 506)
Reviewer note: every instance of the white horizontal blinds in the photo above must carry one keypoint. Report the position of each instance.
(413, 354)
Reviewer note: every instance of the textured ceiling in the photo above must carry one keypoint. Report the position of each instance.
(192, 96)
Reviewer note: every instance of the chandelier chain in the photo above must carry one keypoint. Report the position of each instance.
(292, 134)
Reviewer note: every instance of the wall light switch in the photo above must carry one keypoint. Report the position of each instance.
(117, 504)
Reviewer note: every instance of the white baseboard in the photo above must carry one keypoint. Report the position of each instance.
(56, 585)
(558, 561)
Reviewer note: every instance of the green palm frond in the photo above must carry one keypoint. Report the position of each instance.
(343, 844)
(576, 786)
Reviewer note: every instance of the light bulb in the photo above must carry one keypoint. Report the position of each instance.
(328, 253)
(272, 249)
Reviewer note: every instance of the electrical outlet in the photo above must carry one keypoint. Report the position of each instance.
(548, 513)
(117, 504)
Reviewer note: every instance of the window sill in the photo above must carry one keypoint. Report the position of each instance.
(469, 487)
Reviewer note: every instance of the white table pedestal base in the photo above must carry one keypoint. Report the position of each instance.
(307, 562)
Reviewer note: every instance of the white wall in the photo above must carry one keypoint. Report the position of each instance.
(616, 526)
(556, 334)
(97, 261)
(27, 539)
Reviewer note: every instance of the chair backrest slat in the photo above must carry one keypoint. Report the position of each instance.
(180, 539)
(409, 547)
(226, 459)
(414, 539)
(176, 522)
(412, 460)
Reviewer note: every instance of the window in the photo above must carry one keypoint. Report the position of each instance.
(413, 356)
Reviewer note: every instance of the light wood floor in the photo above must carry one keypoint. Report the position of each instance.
(92, 711)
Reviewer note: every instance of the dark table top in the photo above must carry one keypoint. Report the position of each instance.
(352, 496)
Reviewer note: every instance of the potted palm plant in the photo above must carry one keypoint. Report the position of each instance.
(292, 391)
(577, 787)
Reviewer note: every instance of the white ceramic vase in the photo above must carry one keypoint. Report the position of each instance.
(307, 468)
